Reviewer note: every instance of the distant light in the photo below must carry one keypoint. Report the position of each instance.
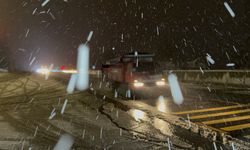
(62, 67)
(230, 65)
(160, 83)
(138, 84)
(43, 71)
(136, 53)
(161, 105)
(69, 71)
(47, 71)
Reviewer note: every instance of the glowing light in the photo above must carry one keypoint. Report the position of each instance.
(161, 83)
(161, 105)
(138, 114)
(62, 68)
(43, 71)
(69, 71)
(138, 84)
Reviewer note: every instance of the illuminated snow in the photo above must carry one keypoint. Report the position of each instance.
(175, 89)
(82, 67)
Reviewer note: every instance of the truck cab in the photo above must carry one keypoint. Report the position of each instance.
(134, 72)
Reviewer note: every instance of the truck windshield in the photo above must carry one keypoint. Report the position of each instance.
(145, 67)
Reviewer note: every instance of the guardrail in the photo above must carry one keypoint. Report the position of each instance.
(96, 72)
(227, 77)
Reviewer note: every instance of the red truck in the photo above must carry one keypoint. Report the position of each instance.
(134, 74)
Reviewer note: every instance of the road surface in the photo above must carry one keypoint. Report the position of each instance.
(27, 102)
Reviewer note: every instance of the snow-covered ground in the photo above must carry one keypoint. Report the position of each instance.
(3, 70)
(28, 101)
(31, 118)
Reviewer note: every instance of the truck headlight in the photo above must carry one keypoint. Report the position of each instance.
(138, 84)
(161, 83)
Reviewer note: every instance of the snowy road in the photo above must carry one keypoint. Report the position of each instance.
(30, 118)
(28, 100)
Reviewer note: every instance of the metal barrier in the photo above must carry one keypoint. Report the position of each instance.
(228, 77)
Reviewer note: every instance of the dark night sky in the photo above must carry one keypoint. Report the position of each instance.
(177, 30)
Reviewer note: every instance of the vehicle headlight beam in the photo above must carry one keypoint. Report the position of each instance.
(138, 84)
(160, 83)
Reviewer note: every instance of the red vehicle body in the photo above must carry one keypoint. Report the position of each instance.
(134, 72)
